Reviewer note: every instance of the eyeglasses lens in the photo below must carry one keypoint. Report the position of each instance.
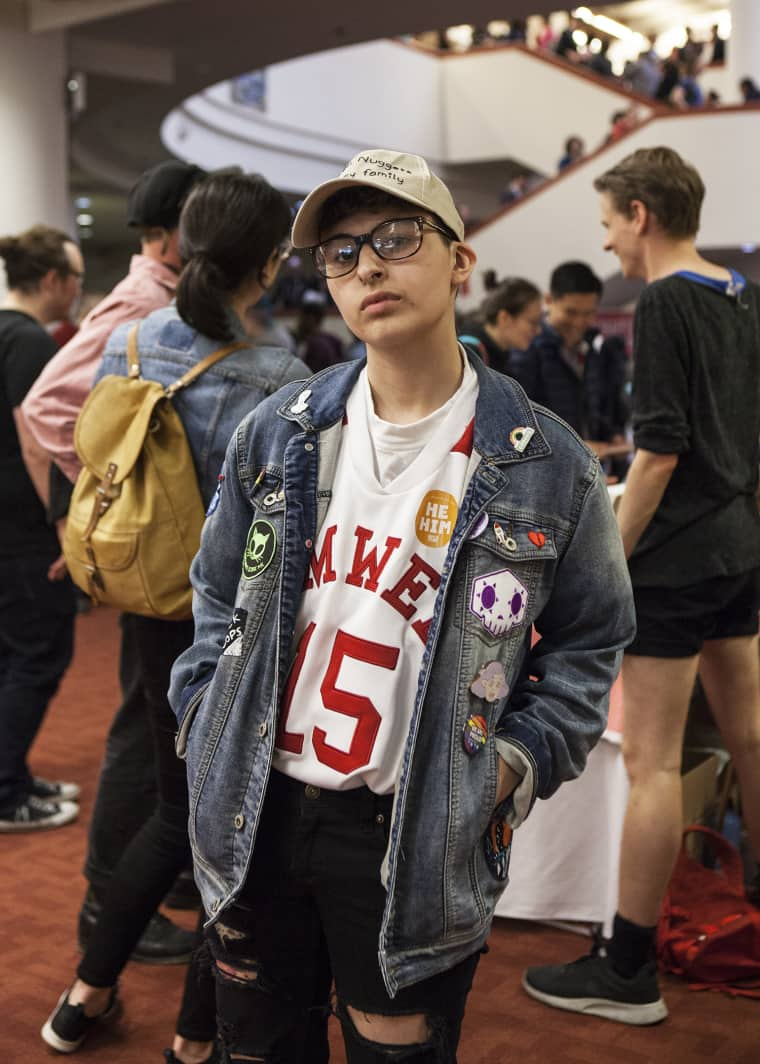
(399, 238)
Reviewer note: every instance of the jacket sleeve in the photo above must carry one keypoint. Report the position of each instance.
(214, 575)
(558, 709)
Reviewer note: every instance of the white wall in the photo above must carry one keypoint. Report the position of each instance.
(562, 221)
(510, 104)
(320, 111)
(323, 108)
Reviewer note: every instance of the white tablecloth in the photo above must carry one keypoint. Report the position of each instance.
(565, 856)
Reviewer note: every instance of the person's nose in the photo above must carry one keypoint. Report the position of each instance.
(369, 265)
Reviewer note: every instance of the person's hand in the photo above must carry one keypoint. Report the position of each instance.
(58, 570)
(508, 781)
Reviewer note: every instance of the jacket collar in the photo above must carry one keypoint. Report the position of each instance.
(506, 429)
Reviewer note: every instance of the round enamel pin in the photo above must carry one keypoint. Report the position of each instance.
(474, 734)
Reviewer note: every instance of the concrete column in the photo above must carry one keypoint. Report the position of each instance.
(33, 131)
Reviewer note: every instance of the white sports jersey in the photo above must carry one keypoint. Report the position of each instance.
(366, 608)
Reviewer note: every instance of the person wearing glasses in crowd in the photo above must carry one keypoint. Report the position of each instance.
(232, 238)
(44, 271)
(363, 717)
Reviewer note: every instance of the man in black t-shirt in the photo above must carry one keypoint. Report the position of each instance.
(44, 272)
(691, 531)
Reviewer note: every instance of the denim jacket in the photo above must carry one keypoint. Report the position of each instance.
(549, 526)
(212, 406)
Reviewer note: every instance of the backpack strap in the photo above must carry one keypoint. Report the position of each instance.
(133, 362)
(133, 355)
(203, 365)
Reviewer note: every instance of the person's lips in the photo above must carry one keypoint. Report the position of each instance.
(378, 300)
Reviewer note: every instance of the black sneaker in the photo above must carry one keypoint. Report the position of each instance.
(67, 1026)
(592, 986)
(162, 942)
(38, 814)
(54, 790)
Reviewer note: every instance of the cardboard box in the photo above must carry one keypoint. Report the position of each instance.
(700, 770)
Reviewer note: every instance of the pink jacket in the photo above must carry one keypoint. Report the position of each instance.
(52, 404)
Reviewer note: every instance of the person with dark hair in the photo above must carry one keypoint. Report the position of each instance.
(358, 711)
(44, 271)
(232, 235)
(507, 321)
(749, 90)
(599, 62)
(691, 532)
(566, 367)
(574, 150)
(126, 794)
(314, 345)
(566, 47)
(671, 73)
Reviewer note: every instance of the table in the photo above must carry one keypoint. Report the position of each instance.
(565, 856)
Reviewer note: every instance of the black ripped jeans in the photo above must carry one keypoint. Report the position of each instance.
(313, 905)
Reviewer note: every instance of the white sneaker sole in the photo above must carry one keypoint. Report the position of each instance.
(619, 1011)
(68, 812)
(55, 1041)
(51, 1038)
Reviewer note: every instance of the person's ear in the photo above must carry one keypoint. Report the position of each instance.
(463, 264)
(271, 269)
(639, 216)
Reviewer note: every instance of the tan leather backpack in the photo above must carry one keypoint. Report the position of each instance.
(136, 513)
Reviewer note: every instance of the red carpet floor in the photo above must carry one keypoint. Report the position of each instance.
(41, 886)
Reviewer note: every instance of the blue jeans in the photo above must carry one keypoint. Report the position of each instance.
(36, 645)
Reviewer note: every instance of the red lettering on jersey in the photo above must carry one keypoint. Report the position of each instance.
(422, 628)
(413, 587)
(369, 560)
(368, 720)
(322, 564)
(465, 441)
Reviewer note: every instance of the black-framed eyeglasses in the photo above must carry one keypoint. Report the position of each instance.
(397, 238)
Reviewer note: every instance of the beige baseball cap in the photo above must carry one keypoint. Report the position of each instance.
(406, 176)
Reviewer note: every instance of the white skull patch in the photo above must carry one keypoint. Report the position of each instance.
(499, 600)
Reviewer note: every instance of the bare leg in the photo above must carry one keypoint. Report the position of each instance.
(657, 693)
(95, 999)
(730, 674)
(190, 1052)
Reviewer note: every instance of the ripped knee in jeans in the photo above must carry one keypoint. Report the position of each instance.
(373, 1038)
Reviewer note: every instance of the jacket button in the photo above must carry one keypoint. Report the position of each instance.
(263, 729)
(379, 819)
(308, 446)
(239, 821)
(311, 791)
(308, 544)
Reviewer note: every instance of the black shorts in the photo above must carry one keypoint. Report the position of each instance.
(675, 622)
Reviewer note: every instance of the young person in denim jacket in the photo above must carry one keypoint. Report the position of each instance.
(233, 230)
(363, 716)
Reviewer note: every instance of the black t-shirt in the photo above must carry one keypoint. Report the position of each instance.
(696, 393)
(25, 347)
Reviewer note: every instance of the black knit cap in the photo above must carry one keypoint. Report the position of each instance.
(157, 196)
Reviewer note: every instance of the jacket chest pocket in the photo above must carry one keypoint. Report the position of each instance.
(509, 570)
